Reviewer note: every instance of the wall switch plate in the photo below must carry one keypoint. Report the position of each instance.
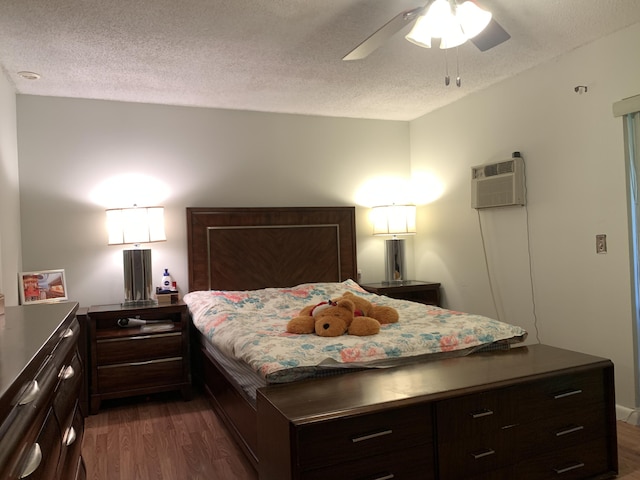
(601, 243)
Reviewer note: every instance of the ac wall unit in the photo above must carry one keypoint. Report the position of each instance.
(498, 184)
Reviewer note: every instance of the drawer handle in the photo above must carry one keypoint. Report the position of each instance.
(33, 462)
(575, 466)
(68, 333)
(485, 412)
(385, 477)
(511, 425)
(485, 453)
(567, 394)
(139, 337)
(138, 364)
(69, 436)
(66, 373)
(568, 430)
(372, 435)
(31, 394)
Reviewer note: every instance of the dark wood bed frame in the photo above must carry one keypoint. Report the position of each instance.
(252, 248)
(417, 420)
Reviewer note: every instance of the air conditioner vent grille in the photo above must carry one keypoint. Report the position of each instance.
(499, 168)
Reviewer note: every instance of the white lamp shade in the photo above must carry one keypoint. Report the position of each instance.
(472, 18)
(135, 225)
(421, 33)
(394, 220)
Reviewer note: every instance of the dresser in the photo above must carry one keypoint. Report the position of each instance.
(532, 412)
(137, 350)
(41, 373)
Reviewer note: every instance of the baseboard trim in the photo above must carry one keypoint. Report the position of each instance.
(628, 415)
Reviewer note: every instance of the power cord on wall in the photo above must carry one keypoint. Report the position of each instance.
(486, 262)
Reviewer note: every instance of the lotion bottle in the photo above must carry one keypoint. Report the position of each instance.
(166, 280)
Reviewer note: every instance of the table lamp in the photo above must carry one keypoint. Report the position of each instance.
(394, 220)
(135, 226)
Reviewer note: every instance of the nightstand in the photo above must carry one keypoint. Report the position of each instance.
(414, 290)
(141, 359)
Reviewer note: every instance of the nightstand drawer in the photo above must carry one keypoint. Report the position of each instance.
(332, 442)
(138, 375)
(138, 348)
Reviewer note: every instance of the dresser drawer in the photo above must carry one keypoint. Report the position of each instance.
(138, 347)
(473, 415)
(477, 454)
(71, 463)
(406, 463)
(336, 441)
(138, 375)
(556, 433)
(576, 462)
(69, 380)
(561, 395)
(41, 459)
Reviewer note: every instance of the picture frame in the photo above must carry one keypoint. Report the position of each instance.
(42, 286)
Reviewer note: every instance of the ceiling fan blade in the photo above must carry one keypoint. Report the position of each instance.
(384, 33)
(492, 35)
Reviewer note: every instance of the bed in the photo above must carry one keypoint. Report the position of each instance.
(270, 262)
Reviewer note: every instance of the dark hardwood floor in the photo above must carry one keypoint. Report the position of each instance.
(161, 437)
(164, 438)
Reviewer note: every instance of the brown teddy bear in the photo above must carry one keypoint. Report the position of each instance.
(346, 314)
(382, 313)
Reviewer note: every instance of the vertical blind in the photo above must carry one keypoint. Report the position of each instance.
(629, 109)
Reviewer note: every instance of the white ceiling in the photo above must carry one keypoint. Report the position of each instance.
(277, 55)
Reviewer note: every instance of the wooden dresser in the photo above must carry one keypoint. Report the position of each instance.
(533, 412)
(41, 373)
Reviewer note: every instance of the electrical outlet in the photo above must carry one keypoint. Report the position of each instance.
(601, 243)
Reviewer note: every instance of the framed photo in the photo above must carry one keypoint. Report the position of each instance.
(45, 286)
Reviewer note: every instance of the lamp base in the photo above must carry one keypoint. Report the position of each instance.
(138, 288)
(395, 263)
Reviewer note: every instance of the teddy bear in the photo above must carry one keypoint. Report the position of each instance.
(342, 315)
(382, 313)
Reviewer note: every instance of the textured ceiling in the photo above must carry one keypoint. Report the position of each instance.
(277, 55)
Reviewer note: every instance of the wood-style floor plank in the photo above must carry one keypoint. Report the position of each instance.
(161, 437)
(164, 438)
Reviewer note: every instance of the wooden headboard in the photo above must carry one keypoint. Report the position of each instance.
(252, 248)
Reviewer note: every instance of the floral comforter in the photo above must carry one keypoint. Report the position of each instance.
(251, 326)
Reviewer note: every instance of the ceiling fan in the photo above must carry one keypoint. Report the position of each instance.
(493, 34)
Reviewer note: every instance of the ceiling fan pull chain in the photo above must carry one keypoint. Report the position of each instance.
(447, 79)
(458, 79)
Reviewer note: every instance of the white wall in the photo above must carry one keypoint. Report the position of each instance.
(10, 251)
(573, 149)
(205, 158)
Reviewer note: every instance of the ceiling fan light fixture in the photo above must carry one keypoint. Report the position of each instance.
(472, 18)
(453, 24)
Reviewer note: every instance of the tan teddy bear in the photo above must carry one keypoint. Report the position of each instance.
(332, 319)
(348, 314)
(382, 313)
